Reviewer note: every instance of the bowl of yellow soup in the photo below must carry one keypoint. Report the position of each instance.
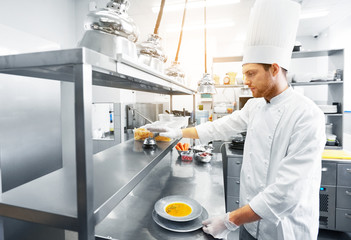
(178, 208)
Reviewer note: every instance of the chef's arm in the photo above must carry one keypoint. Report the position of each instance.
(190, 133)
(243, 215)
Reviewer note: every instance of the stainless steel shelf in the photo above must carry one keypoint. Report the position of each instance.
(333, 114)
(171, 176)
(228, 86)
(319, 53)
(52, 199)
(78, 197)
(333, 147)
(118, 73)
(316, 83)
(302, 54)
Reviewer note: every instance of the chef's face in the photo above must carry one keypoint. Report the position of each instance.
(263, 83)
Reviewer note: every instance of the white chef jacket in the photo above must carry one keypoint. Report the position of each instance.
(281, 171)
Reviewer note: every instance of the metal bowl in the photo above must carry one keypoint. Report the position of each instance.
(203, 157)
(184, 152)
(202, 148)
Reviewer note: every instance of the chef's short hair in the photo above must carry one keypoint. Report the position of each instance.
(267, 66)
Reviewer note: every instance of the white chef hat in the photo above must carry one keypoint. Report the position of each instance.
(272, 32)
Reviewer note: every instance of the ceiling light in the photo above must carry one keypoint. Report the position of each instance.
(314, 14)
(199, 26)
(206, 84)
(195, 4)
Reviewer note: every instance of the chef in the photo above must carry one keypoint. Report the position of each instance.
(281, 171)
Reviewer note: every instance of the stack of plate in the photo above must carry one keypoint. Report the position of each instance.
(328, 108)
(179, 213)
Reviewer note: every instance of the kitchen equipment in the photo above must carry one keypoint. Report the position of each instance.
(188, 226)
(181, 122)
(328, 108)
(111, 31)
(151, 53)
(238, 141)
(201, 116)
(204, 157)
(149, 142)
(139, 114)
(162, 204)
(206, 84)
(186, 155)
(180, 152)
(165, 117)
(202, 148)
(220, 108)
(176, 72)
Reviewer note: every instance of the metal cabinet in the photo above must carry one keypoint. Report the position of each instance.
(72, 197)
(343, 197)
(335, 190)
(232, 161)
(327, 195)
(335, 195)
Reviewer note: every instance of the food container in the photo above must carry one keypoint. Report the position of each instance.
(201, 116)
(232, 76)
(165, 117)
(186, 155)
(203, 157)
(181, 122)
(142, 133)
(220, 109)
(202, 148)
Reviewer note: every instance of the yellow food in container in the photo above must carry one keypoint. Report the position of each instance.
(142, 134)
(162, 139)
(178, 209)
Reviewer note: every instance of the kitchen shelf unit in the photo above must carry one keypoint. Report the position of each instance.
(228, 86)
(71, 198)
(334, 59)
(330, 60)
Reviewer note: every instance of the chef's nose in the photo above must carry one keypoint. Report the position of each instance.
(246, 82)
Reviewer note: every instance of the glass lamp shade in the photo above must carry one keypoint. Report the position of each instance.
(176, 72)
(206, 84)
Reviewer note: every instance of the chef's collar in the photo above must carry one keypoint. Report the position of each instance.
(277, 99)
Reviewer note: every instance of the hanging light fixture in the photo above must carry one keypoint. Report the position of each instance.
(150, 51)
(206, 84)
(175, 71)
(111, 31)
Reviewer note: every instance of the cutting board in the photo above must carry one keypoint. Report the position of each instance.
(336, 154)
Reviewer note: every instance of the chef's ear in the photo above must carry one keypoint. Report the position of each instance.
(275, 69)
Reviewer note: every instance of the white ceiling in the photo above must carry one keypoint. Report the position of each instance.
(239, 13)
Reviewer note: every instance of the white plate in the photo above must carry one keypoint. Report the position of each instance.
(160, 207)
(188, 226)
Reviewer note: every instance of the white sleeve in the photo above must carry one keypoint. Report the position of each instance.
(298, 172)
(225, 127)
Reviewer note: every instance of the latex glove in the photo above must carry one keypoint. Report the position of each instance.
(166, 131)
(219, 226)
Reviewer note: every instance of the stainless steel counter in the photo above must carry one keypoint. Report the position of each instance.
(131, 219)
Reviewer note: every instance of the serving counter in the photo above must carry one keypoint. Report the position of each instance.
(132, 218)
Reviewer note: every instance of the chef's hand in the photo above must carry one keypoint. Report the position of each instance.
(219, 226)
(166, 131)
